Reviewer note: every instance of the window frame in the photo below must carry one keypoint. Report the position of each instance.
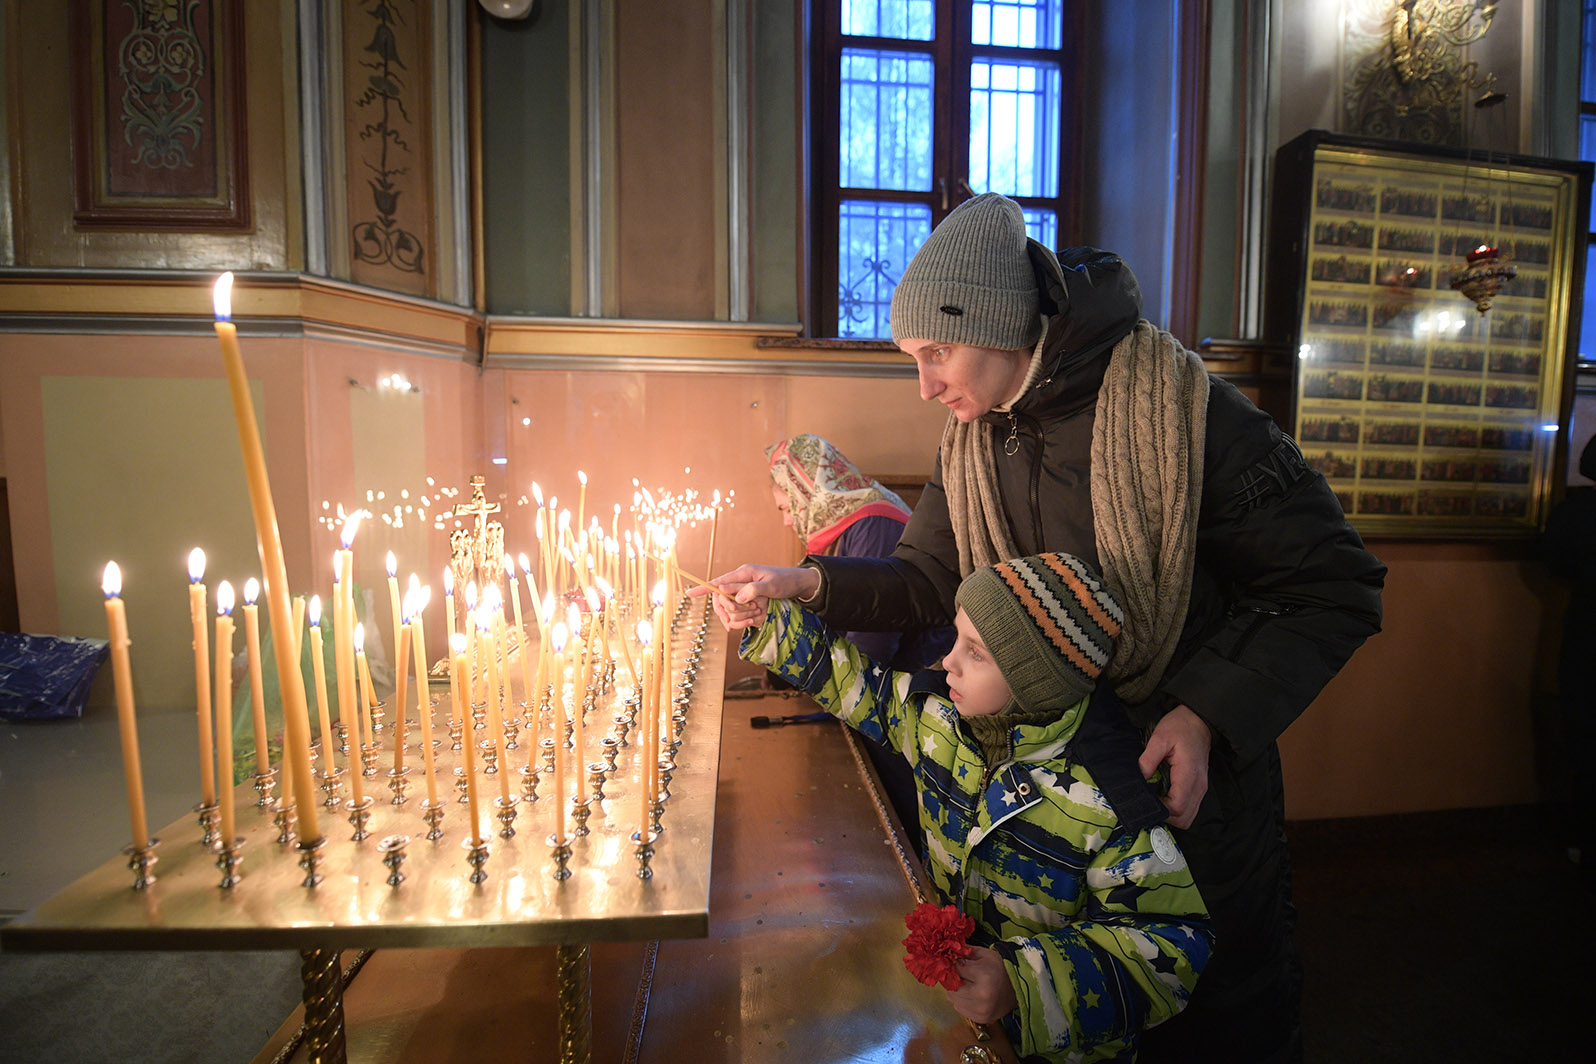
(951, 54)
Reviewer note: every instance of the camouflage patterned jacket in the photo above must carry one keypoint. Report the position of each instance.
(1099, 924)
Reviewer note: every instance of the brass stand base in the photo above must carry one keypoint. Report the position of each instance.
(324, 1006)
(574, 969)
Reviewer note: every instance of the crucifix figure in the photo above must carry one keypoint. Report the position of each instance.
(477, 554)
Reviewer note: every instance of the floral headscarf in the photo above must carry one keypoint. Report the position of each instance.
(827, 492)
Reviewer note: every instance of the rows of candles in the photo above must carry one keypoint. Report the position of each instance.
(506, 678)
(538, 672)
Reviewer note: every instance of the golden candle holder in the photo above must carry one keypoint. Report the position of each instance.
(595, 779)
(141, 859)
(488, 751)
(359, 813)
(655, 811)
(263, 787)
(379, 713)
(581, 809)
(432, 813)
(609, 749)
(392, 848)
(456, 729)
(341, 733)
(368, 759)
(227, 859)
(398, 783)
(285, 817)
(476, 856)
(621, 721)
(512, 729)
(645, 853)
(562, 857)
(529, 784)
(330, 782)
(548, 753)
(506, 816)
(209, 817)
(310, 856)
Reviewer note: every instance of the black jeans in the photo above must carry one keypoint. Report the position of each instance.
(1247, 1005)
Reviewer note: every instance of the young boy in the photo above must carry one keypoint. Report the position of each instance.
(1038, 823)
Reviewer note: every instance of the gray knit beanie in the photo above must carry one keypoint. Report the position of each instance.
(971, 282)
(1049, 624)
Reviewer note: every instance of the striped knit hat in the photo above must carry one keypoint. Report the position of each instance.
(1049, 623)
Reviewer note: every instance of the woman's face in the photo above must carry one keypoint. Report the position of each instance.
(969, 381)
(783, 504)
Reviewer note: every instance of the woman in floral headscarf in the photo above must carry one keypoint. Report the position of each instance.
(837, 510)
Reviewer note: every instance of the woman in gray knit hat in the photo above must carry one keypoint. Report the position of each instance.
(1076, 426)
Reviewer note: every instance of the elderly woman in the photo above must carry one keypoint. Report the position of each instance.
(1076, 426)
(838, 511)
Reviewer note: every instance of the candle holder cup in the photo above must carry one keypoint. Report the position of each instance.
(487, 749)
(368, 759)
(581, 809)
(392, 848)
(476, 857)
(609, 749)
(462, 785)
(310, 856)
(529, 784)
(210, 817)
(595, 778)
(330, 782)
(398, 783)
(645, 853)
(359, 814)
(562, 857)
(506, 816)
(227, 859)
(141, 859)
(263, 787)
(286, 817)
(432, 813)
(456, 729)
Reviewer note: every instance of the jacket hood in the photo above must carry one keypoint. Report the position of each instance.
(1092, 300)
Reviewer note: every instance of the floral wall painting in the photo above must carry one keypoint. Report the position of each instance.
(157, 115)
(388, 141)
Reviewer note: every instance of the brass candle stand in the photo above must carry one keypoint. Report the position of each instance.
(310, 857)
(285, 817)
(581, 809)
(505, 816)
(461, 786)
(562, 857)
(488, 754)
(529, 784)
(456, 729)
(368, 760)
(141, 859)
(398, 783)
(645, 853)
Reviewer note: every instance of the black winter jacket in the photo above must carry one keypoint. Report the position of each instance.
(1283, 590)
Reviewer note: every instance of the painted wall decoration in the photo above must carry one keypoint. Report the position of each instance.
(157, 115)
(389, 143)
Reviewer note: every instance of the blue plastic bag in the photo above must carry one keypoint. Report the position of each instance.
(46, 677)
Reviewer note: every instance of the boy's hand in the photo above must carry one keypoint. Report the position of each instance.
(1183, 740)
(987, 994)
(751, 588)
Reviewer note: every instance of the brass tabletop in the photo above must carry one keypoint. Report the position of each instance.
(519, 904)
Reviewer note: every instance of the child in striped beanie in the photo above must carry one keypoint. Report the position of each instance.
(1038, 824)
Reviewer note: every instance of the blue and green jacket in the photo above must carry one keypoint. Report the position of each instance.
(1094, 913)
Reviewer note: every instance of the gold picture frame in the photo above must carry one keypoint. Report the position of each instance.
(1427, 415)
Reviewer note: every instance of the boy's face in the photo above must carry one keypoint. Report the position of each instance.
(974, 680)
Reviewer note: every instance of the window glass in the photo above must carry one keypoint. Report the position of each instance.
(1014, 121)
(909, 20)
(1041, 226)
(885, 120)
(1587, 65)
(877, 240)
(1018, 23)
(1587, 150)
(1587, 318)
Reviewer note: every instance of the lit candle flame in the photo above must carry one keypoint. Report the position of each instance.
(112, 583)
(526, 567)
(224, 598)
(592, 599)
(645, 633)
(509, 567)
(222, 297)
(537, 493)
(413, 583)
(360, 637)
(313, 611)
(604, 588)
(196, 565)
(251, 591)
(559, 636)
(457, 643)
(546, 610)
(407, 607)
(581, 476)
(658, 597)
(351, 523)
(471, 595)
(393, 563)
(573, 617)
(448, 581)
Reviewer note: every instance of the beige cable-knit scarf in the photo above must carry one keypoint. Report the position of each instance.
(1146, 481)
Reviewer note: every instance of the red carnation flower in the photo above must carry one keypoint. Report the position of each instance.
(936, 944)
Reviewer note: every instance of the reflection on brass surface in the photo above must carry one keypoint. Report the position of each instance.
(519, 904)
(324, 1006)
